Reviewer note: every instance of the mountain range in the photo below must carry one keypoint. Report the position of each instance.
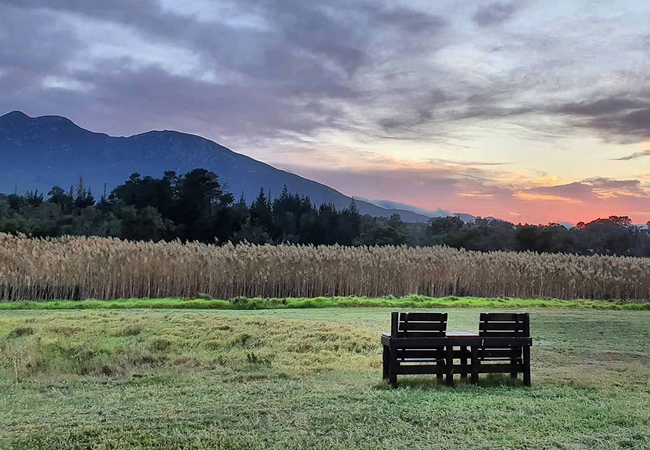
(41, 152)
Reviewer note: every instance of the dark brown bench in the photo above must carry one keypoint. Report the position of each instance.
(497, 358)
(411, 360)
(419, 344)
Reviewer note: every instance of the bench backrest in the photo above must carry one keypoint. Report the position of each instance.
(406, 324)
(504, 325)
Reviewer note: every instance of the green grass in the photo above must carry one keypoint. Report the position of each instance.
(308, 378)
(411, 301)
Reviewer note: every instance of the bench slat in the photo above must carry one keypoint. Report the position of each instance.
(501, 317)
(489, 353)
(414, 334)
(485, 341)
(501, 368)
(423, 326)
(501, 333)
(423, 317)
(403, 353)
(489, 326)
(419, 360)
(419, 369)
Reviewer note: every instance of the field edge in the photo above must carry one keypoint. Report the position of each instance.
(240, 303)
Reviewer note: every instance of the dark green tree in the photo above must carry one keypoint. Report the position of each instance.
(261, 212)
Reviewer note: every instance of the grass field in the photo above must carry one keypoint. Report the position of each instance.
(308, 378)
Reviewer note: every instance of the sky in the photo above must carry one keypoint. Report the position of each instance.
(530, 111)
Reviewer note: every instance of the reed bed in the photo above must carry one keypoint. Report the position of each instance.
(107, 268)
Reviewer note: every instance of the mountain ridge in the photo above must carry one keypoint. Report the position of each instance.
(45, 151)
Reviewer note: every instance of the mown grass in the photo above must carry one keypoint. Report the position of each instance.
(411, 301)
(308, 378)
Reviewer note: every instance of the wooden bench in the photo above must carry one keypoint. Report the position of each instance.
(496, 358)
(407, 360)
(419, 344)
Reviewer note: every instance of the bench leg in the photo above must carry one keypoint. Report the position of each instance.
(475, 365)
(392, 367)
(516, 354)
(463, 361)
(527, 365)
(386, 362)
(440, 368)
(450, 365)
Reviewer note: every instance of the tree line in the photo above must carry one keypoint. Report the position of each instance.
(197, 207)
(614, 235)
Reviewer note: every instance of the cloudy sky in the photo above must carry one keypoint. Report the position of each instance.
(531, 111)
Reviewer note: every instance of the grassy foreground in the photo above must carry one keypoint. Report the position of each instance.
(308, 378)
(410, 301)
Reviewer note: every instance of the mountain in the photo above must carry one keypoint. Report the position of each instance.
(46, 151)
(389, 204)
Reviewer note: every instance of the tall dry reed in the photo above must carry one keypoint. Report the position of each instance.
(105, 268)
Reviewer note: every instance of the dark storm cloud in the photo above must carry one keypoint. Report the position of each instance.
(31, 45)
(280, 67)
(241, 111)
(603, 106)
(495, 13)
(421, 110)
(616, 118)
(634, 155)
(633, 126)
(290, 70)
(301, 33)
(408, 20)
(450, 107)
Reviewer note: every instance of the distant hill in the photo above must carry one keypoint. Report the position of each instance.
(46, 151)
(389, 204)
